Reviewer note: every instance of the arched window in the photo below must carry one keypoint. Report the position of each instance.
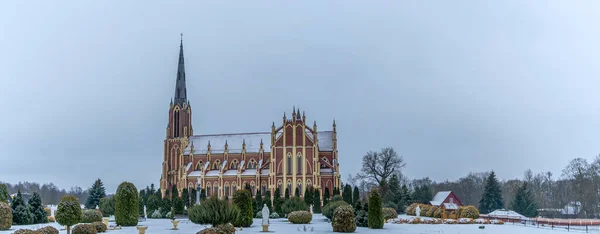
(233, 187)
(263, 189)
(289, 163)
(308, 183)
(226, 190)
(208, 190)
(299, 186)
(199, 165)
(252, 188)
(280, 187)
(299, 163)
(176, 123)
(289, 188)
(216, 190)
(216, 164)
(234, 164)
(252, 164)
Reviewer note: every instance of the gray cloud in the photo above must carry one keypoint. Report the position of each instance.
(453, 86)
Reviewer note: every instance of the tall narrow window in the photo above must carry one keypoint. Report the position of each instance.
(208, 190)
(263, 189)
(289, 163)
(299, 163)
(176, 123)
(226, 190)
(216, 190)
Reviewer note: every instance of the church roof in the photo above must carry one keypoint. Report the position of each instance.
(234, 142)
(325, 140)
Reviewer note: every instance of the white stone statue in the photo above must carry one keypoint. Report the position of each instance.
(311, 208)
(265, 215)
(418, 211)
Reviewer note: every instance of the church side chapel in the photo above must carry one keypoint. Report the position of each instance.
(292, 155)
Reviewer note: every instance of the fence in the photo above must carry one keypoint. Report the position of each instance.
(578, 225)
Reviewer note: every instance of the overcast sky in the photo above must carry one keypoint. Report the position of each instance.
(453, 86)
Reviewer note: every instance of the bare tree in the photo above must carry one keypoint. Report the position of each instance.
(379, 166)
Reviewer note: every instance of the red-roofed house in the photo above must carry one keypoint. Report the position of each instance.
(446, 198)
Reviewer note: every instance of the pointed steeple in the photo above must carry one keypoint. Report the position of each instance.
(180, 88)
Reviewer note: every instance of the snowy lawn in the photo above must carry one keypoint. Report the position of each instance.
(320, 225)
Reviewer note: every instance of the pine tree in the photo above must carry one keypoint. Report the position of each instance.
(308, 196)
(97, 191)
(203, 194)
(37, 209)
(21, 215)
(268, 200)
(287, 194)
(375, 216)
(316, 202)
(492, 195)
(355, 195)
(3, 193)
(326, 197)
(523, 203)
(383, 190)
(347, 194)
(277, 202)
(394, 191)
(406, 199)
(185, 196)
(192, 197)
(259, 202)
(297, 192)
(247, 187)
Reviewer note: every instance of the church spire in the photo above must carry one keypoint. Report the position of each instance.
(180, 89)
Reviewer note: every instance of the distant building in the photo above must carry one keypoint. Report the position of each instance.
(290, 155)
(570, 210)
(447, 199)
(25, 196)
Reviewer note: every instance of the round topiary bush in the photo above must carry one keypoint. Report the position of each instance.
(84, 228)
(389, 213)
(343, 220)
(68, 212)
(293, 204)
(48, 230)
(126, 205)
(100, 227)
(213, 211)
(6, 217)
(375, 211)
(469, 212)
(90, 216)
(330, 208)
(337, 198)
(243, 200)
(300, 217)
(27, 231)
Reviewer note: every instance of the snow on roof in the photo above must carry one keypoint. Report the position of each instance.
(212, 173)
(223, 165)
(326, 170)
(502, 213)
(188, 166)
(249, 172)
(325, 140)
(230, 172)
(439, 198)
(264, 172)
(234, 142)
(195, 174)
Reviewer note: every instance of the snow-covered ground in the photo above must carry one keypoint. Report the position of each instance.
(320, 225)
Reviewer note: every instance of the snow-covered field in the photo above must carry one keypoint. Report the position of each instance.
(320, 225)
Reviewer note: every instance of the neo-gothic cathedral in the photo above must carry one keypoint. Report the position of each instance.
(293, 154)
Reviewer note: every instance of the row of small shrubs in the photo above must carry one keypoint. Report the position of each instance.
(300, 217)
(44, 230)
(436, 212)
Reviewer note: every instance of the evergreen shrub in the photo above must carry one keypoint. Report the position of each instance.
(293, 204)
(107, 206)
(300, 217)
(26, 231)
(90, 216)
(243, 200)
(431, 210)
(389, 213)
(360, 214)
(126, 205)
(337, 198)
(6, 218)
(84, 228)
(274, 215)
(68, 212)
(469, 212)
(214, 211)
(330, 208)
(375, 211)
(100, 227)
(48, 230)
(343, 220)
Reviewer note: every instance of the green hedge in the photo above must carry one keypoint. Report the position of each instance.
(293, 204)
(330, 208)
(214, 211)
(126, 205)
(389, 213)
(300, 217)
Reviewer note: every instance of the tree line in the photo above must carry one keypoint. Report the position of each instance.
(578, 185)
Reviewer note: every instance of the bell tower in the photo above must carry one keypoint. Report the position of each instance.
(179, 128)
